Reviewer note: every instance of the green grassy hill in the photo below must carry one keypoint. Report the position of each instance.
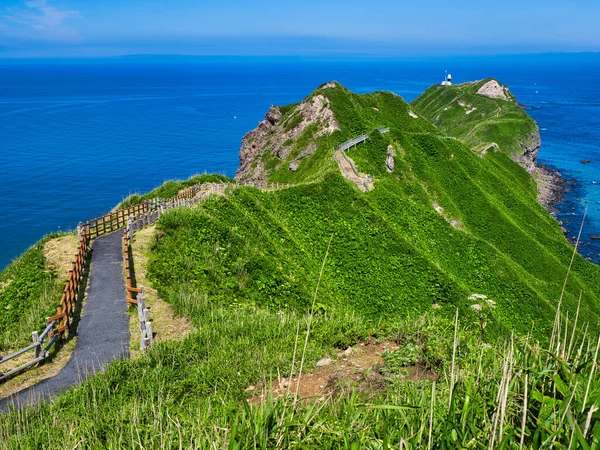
(445, 224)
(479, 120)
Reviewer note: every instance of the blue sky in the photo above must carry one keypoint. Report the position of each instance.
(63, 28)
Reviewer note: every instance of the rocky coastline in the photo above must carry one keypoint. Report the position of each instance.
(551, 187)
(554, 189)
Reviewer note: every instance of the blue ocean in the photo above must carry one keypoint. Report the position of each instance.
(77, 136)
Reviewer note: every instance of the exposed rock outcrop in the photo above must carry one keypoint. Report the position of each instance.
(390, 164)
(528, 157)
(493, 89)
(550, 184)
(275, 136)
(251, 167)
(331, 84)
(550, 187)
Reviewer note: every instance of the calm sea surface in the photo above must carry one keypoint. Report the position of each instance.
(78, 136)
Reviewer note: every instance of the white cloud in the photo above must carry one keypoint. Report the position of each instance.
(38, 20)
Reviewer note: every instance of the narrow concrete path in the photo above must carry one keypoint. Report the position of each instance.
(103, 331)
(349, 171)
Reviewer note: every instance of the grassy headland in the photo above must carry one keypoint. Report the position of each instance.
(479, 120)
(243, 267)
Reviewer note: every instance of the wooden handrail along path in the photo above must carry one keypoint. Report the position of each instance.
(130, 219)
(185, 198)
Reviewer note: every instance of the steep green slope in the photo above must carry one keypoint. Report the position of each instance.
(467, 112)
(444, 225)
(29, 291)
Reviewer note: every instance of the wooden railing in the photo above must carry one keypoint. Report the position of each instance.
(133, 294)
(72, 290)
(131, 219)
(58, 325)
(146, 334)
(114, 220)
(40, 352)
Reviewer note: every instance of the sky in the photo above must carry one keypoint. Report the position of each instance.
(101, 28)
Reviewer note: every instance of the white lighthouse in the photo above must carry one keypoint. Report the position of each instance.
(447, 79)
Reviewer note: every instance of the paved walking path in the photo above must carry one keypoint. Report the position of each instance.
(103, 331)
(349, 171)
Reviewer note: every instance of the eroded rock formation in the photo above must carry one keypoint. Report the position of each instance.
(493, 89)
(277, 135)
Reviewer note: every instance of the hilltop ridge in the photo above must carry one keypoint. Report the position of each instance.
(486, 116)
(444, 191)
(299, 137)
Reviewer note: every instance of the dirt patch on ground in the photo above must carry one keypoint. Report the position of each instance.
(358, 368)
(455, 223)
(60, 254)
(4, 285)
(166, 325)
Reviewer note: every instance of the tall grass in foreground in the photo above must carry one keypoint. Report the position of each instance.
(515, 395)
(192, 394)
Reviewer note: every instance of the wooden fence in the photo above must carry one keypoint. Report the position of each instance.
(135, 295)
(114, 220)
(147, 336)
(40, 351)
(72, 290)
(57, 326)
(131, 219)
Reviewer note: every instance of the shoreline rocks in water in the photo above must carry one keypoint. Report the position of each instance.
(551, 187)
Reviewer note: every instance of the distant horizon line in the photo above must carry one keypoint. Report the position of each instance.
(319, 56)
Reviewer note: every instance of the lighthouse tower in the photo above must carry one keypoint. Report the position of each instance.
(447, 79)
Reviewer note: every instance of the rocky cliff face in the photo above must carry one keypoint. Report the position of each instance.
(530, 147)
(550, 184)
(251, 165)
(274, 139)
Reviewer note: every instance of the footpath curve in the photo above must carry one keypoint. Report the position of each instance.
(103, 331)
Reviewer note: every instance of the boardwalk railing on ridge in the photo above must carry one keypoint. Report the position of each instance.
(359, 139)
(352, 142)
(133, 218)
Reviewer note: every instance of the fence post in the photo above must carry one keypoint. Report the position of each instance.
(36, 340)
(149, 337)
